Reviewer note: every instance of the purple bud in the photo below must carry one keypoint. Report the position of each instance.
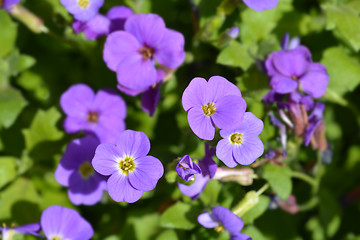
(233, 32)
(186, 168)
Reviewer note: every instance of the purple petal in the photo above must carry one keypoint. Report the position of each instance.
(134, 144)
(195, 189)
(93, 29)
(261, 5)
(224, 150)
(315, 83)
(31, 228)
(83, 14)
(106, 159)
(247, 152)
(148, 29)
(8, 3)
(269, 64)
(119, 46)
(109, 127)
(200, 124)
(135, 73)
(291, 63)
(65, 222)
(196, 94)
(228, 219)
(120, 189)
(220, 87)
(88, 198)
(77, 100)
(282, 84)
(285, 41)
(207, 220)
(239, 236)
(150, 99)
(118, 16)
(146, 174)
(62, 175)
(251, 125)
(229, 112)
(130, 92)
(170, 51)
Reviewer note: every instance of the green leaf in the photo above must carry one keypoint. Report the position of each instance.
(180, 216)
(11, 104)
(344, 72)
(168, 235)
(43, 128)
(7, 34)
(254, 232)
(256, 211)
(345, 19)
(19, 62)
(211, 193)
(317, 232)
(35, 84)
(279, 179)
(7, 170)
(330, 212)
(235, 55)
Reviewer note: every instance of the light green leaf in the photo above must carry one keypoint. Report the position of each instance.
(211, 193)
(11, 104)
(168, 235)
(8, 33)
(256, 211)
(344, 72)
(254, 232)
(34, 83)
(18, 63)
(279, 179)
(7, 170)
(180, 216)
(345, 19)
(235, 55)
(43, 128)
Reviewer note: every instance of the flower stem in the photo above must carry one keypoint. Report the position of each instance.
(305, 178)
(262, 189)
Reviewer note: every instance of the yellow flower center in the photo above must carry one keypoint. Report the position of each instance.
(293, 77)
(86, 170)
(209, 109)
(236, 138)
(220, 229)
(92, 117)
(127, 165)
(146, 52)
(56, 238)
(83, 3)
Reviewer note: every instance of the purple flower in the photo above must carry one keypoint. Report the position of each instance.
(132, 53)
(233, 32)
(277, 123)
(102, 114)
(83, 10)
(58, 222)
(117, 16)
(315, 119)
(222, 218)
(217, 102)
(75, 171)
(93, 29)
(131, 171)
(293, 69)
(186, 168)
(208, 169)
(289, 44)
(9, 232)
(261, 5)
(150, 99)
(241, 145)
(7, 4)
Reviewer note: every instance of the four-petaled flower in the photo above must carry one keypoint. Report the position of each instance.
(217, 102)
(102, 114)
(241, 145)
(75, 171)
(186, 168)
(131, 171)
(83, 10)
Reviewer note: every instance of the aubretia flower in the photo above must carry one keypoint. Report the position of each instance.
(131, 171)
(186, 168)
(9, 232)
(291, 70)
(102, 113)
(132, 53)
(217, 102)
(60, 223)
(241, 145)
(83, 10)
(93, 29)
(117, 16)
(261, 5)
(7, 4)
(75, 171)
(315, 128)
(222, 219)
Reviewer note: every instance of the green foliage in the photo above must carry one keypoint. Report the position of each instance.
(235, 55)
(8, 33)
(279, 179)
(180, 216)
(11, 104)
(8, 170)
(250, 216)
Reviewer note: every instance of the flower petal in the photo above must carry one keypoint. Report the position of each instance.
(147, 172)
(291, 63)
(261, 5)
(282, 84)
(195, 189)
(247, 152)
(88, 198)
(315, 83)
(108, 101)
(196, 94)
(106, 159)
(251, 125)
(77, 100)
(206, 220)
(134, 144)
(224, 151)
(200, 124)
(150, 99)
(229, 112)
(219, 87)
(120, 189)
(228, 219)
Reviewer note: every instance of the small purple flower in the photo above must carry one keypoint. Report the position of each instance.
(186, 168)
(289, 44)
(315, 119)
(132, 53)
(58, 222)
(222, 219)
(131, 171)
(241, 145)
(208, 169)
(277, 123)
(117, 16)
(83, 10)
(9, 232)
(102, 113)
(150, 99)
(8, 4)
(261, 5)
(233, 32)
(293, 69)
(94, 28)
(75, 171)
(217, 102)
